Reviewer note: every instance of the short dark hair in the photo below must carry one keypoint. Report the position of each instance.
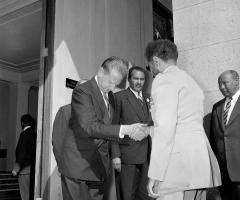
(117, 63)
(27, 119)
(163, 48)
(137, 68)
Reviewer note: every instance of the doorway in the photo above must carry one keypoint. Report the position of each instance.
(20, 39)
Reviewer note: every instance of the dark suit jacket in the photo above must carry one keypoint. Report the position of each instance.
(128, 110)
(26, 154)
(92, 129)
(62, 138)
(226, 141)
(26, 148)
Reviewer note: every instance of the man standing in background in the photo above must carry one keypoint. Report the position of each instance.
(130, 158)
(24, 165)
(225, 134)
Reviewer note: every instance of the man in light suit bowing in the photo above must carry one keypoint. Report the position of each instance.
(225, 134)
(91, 115)
(182, 164)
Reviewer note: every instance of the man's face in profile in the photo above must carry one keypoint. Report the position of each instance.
(137, 80)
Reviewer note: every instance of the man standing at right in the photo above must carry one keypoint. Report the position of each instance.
(225, 134)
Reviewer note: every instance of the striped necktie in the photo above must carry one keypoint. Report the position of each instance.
(105, 96)
(140, 98)
(226, 109)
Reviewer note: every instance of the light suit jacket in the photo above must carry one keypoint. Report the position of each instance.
(181, 156)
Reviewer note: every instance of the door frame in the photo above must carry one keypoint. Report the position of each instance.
(43, 147)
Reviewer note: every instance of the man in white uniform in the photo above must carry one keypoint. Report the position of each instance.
(182, 163)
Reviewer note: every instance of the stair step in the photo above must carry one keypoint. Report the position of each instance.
(3, 181)
(9, 186)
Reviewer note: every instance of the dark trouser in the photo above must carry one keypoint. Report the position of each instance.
(73, 189)
(229, 190)
(132, 182)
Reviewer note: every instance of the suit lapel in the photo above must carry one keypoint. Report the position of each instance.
(219, 110)
(133, 102)
(98, 96)
(147, 104)
(235, 111)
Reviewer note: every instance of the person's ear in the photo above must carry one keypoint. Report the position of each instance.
(155, 59)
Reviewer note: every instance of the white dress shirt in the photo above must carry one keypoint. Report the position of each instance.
(137, 94)
(26, 127)
(105, 101)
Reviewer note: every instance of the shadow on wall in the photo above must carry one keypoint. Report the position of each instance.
(57, 193)
(207, 123)
(212, 193)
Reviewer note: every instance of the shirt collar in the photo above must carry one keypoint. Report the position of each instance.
(26, 127)
(136, 93)
(236, 95)
(99, 87)
(169, 68)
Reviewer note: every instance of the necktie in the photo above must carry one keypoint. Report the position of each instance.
(226, 109)
(105, 96)
(140, 98)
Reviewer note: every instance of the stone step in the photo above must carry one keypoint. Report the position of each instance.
(9, 188)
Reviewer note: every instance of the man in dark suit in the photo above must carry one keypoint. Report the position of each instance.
(130, 158)
(24, 165)
(63, 140)
(225, 134)
(86, 163)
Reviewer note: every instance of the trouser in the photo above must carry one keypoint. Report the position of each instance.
(132, 182)
(229, 190)
(24, 186)
(199, 194)
(74, 189)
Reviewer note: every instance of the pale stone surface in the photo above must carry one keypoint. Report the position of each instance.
(179, 4)
(207, 34)
(205, 64)
(208, 23)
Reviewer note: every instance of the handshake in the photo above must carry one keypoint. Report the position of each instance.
(136, 132)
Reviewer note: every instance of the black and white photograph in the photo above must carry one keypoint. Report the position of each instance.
(119, 100)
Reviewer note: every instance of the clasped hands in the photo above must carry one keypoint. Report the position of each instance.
(136, 131)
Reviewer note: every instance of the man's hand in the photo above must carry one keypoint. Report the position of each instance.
(14, 173)
(117, 164)
(135, 131)
(139, 132)
(153, 188)
(16, 168)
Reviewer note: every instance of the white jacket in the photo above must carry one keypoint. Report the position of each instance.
(181, 156)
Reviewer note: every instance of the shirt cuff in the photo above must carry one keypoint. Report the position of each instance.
(121, 135)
